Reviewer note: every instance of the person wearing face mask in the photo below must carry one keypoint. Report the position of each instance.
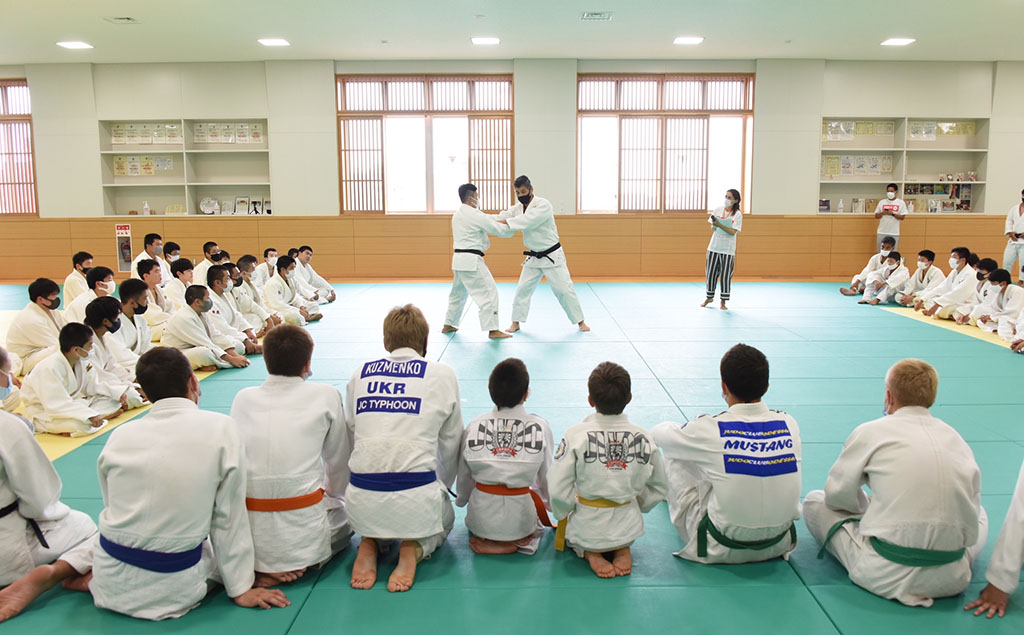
(959, 287)
(470, 276)
(734, 477)
(882, 284)
(726, 222)
(296, 446)
(875, 263)
(978, 305)
(191, 332)
(159, 307)
(1003, 305)
(10, 387)
(64, 394)
(545, 257)
(890, 213)
(249, 299)
(265, 270)
(280, 295)
(914, 538)
(35, 331)
(225, 316)
(211, 256)
(153, 250)
(1014, 252)
(75, 284)
(305, 272)
(101, 283)
(927, 277)
(172, 253)
(133, 338)
(299, 283)
(103, 316)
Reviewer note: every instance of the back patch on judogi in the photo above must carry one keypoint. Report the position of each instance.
(616, 450)
(507, 437)
(757, 448)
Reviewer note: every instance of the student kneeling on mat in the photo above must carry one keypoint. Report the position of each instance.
(915, 538)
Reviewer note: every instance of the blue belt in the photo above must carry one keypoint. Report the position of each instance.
(156, 561)
(392, 481)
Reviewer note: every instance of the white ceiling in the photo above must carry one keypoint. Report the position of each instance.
(226, 30)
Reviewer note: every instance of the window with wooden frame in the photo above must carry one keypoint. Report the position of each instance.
(663, 143)
(17, 165)
(408, 142)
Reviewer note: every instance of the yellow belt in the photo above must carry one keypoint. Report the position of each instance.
(602, 503)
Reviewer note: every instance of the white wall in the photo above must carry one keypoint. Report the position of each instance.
(1006, 138)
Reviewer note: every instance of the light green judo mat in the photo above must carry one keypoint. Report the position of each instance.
(828, 360)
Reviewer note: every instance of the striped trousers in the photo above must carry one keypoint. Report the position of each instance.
(719, 266)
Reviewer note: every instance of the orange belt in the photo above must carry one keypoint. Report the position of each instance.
(502, 490)
(284, 504)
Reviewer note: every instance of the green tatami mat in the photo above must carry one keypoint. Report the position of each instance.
(828, 358)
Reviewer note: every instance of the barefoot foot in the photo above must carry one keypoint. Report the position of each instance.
(706, 302)
(265, 580)
(599, 565)
(206, 369)
(623, 561)
(723, 307)
(447, 328)
(846, 291)
(364, 569)
(78, 583)
(583, 326)
(23, 591)
(498, 335)
(513, 328)
(404, 574)
(491, 547)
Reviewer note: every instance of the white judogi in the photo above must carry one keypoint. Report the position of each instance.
(296, 442)
(28, 477)
(539, 234)
(1008, 311)
(75, 312)
(199, 271)
(61, 399)
(74, 285)
(311, 283)
(249, 301)
(471, 277)
(741, 468)
(159, 311)
(172, 480)
(1008, 556)
(875, 263)
(317, 281)
(225, 317)
(34, 334)
(114, 379)
(607, 457)
(884, 282)
(1014, 252)
(165, 269)
(262, 273)
(174, 292)
(131, 341)
(280, 297)
(510, 447)
(925, 494)
(200, 341)
(979, 304)
(922, 282)
(959, 288)
(13, 399)
(404, 415)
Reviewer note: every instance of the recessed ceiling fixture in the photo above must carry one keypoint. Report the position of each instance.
(124, 20)
(75, 45)
(688, 39)
(596, 16)
(486, 41)
(899, 41)
(273, 41)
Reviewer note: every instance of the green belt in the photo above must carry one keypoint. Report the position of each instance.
(906, 556)
(707, 527)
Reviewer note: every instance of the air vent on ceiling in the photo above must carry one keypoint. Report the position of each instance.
(596, 16)
(121, 20)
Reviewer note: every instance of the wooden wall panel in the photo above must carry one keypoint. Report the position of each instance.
(419, 247)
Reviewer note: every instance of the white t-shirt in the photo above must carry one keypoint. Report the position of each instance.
(722, 241)
(890, 225)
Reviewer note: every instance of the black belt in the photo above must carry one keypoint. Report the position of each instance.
(13, 507)
(470, 251)
(544, 254)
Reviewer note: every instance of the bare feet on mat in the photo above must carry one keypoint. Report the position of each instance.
(862, 302)
(623, 561)
(723, 307)
(493, 547)
(496, 335)
(583, 326)
(846, 291)
(364, 570)
(447, 328)
(78, 582)
(206, 369)
(264, 580)
(402, 577)
(23, 591)
(599, 565)
(513, 328)
(706, 302)
(874, 302)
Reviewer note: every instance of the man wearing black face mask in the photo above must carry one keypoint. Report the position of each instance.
(75, 284)
(134, 337)
(35, 331)
(535, 217)
(103, 316)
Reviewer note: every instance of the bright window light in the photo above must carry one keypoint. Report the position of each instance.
(486, 41)
(688, 39)
(899, 41)
(75, 45)
(274, 41)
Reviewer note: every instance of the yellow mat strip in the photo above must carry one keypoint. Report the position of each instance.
(950, 325)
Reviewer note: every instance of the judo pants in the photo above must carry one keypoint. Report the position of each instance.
(1014, 253)
(874, 573)
(719, 266)
(69, 539)
(561, 285)
(479, 285)
(75, 427)
(200, 356)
